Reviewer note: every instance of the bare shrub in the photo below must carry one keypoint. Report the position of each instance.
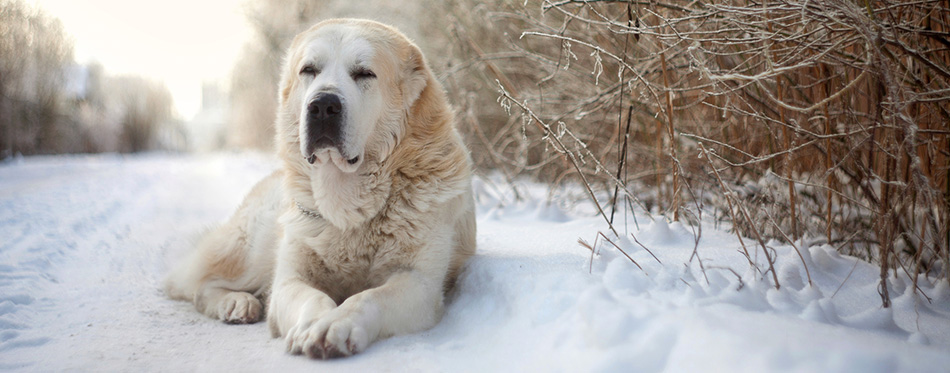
(34, 53)
(97, 112)
(142, 107)
(825, 120)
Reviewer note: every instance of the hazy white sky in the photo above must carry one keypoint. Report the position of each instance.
(180, 42)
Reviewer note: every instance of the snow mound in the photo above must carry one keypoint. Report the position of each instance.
(87, 240)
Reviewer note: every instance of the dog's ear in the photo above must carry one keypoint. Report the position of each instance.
(286, 85)
(417, 76)
(288, 77)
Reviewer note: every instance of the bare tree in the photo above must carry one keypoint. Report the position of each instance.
(41, 113)
(34, 53)
(254, 80)
(143, 107)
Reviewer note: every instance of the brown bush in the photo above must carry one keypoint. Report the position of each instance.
(823, 120)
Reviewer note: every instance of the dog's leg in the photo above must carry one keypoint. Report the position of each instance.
(230, 273)
(234, 261)
(408, 302)
(294, 302)
(222, 274)
(233, 307)
(294, 307)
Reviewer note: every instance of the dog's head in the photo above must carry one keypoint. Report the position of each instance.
(346, 89)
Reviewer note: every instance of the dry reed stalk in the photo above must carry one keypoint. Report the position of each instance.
(674, 188)
(729, 201)
(886, 242)
(592, 248)
(622, 160)
(829, 169)
(555, 139)
(787, 158)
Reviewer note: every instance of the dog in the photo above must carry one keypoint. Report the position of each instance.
(364, 228)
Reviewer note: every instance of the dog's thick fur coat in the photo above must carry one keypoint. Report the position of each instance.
(368, 222)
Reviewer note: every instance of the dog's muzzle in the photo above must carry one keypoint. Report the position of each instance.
(324, 124)
(323, 128)
(324, 121)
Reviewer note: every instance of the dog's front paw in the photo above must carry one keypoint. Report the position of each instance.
(336, 334)
(240, 308)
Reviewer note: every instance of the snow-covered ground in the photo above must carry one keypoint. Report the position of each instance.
(86, 240)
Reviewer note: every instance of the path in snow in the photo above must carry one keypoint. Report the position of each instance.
(86, 240)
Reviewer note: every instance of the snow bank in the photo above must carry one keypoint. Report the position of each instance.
(85, 241)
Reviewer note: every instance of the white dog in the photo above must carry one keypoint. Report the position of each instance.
(370, 218)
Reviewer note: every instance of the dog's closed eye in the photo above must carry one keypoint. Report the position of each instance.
(362, 73)
(309, 70)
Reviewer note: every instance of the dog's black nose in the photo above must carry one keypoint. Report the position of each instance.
(324, 122)
(324, 106)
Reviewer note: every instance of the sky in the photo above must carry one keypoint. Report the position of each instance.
(180, 42)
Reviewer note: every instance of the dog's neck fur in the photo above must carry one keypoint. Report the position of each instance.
(347, 199)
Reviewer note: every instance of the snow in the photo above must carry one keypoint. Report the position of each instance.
(86, 240)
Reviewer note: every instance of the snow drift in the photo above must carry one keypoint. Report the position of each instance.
(86, 240)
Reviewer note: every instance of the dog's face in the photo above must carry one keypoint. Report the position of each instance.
(346, 88)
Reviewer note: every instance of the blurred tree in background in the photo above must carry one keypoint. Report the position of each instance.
(34, 55)
(254, 79)
(49, 104)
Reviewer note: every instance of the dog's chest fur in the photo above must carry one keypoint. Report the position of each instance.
(345, 261)
(342, 263)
